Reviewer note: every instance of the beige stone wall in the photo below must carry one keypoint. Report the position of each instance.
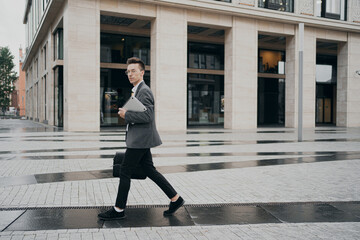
(131, 9)
(169, 68)
(49, 80)
(291, 81)
(241, 74)
(269, 27)
(342, 85)
(305, 7)
(354, 81)
(354, 10)
(309, 83)
(81, 66)
(208, 18)
(348, 84)
(331, 35)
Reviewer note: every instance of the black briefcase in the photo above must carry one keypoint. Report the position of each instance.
(118, 159)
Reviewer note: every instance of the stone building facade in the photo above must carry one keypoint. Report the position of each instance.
(233, 64)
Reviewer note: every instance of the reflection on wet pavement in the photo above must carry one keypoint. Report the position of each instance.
(310, 213)
(211, 154)
(188, 143)
(84, 146)
(225, 215)
(189, 215)
(107, 173)
(151, 217)
(63, 150)
(49, 219)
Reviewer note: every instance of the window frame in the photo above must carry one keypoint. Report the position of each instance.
(270, 5)
(331, 15)
(59, 44)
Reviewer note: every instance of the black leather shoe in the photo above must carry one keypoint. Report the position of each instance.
(174, 206)
(111, 214)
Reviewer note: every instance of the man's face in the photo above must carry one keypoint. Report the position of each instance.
(134, 73)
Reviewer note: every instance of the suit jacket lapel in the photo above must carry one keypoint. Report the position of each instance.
(137, 90)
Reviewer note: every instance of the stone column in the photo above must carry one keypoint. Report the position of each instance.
(50, 83)
(291, 82)
(31, 93)
(241, 74)
(309, 82)
(169, 68)
(81, 66)
(348, 82)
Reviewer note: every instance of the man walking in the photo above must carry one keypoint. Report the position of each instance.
(140, 137)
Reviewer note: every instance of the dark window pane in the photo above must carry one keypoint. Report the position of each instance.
(271, 101)
(205, 99)
(117, 48)
(205, 56)
(279, 5)
(115, 90)
(58, 96)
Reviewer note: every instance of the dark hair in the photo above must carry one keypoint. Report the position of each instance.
(136, 60)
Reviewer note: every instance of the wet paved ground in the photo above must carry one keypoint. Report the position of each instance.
(255, 184)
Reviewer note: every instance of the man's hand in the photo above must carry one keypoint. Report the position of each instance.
(122, 112)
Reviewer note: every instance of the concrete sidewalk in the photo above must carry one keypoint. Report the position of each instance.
(44, 167)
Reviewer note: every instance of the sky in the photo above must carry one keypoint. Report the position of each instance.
(12, 29)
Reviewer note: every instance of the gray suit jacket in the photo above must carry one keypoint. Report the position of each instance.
(142, 131)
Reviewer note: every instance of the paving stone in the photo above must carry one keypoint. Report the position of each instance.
(261, 183)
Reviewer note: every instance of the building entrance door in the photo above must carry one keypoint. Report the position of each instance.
(323, 110)
(325, 107)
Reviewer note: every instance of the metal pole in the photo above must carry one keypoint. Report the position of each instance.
(301, 62)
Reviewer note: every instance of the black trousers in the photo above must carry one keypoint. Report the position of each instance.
(133, 157)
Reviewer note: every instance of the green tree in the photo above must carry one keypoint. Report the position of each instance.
(7, 77)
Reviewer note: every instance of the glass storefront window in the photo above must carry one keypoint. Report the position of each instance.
(115, 90)
(324, 73)
(280, 5)
(117, 48)
(205, 56)
(326, 69)
(334, 9)
(59, 44)
(271, 62)
(205, 99)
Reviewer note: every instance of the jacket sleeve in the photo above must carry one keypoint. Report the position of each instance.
(146, 98)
